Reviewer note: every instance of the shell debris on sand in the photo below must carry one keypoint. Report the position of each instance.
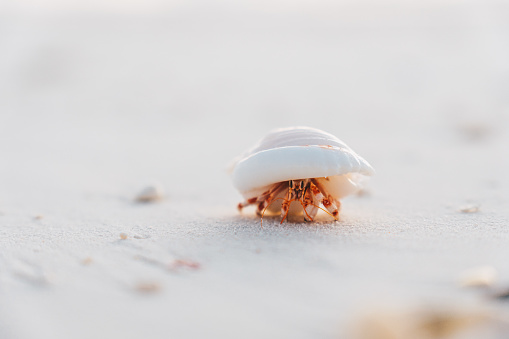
(475, 130)
(425, 322)
(148, 287)
(470, 209)
(87, 261)
(484, 276)
(141, 236)
(364, 192)
(184, 263)
(172, 265)
(151, 193)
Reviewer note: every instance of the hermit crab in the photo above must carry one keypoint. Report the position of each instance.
(298, 164)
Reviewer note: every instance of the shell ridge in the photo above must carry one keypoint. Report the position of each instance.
(296, 153)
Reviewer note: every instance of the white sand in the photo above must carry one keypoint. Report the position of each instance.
(98, 104)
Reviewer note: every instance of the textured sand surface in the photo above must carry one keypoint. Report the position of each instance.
(97, 104)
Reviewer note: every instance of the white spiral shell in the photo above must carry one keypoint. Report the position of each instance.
(299, 153)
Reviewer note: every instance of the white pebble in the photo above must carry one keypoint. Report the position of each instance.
(470, 209)
(483, 276)
(150, 194)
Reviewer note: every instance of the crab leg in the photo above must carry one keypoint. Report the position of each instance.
(246, 203)
(310, 201)
(285, 206)
(264, 199)
(329, 202)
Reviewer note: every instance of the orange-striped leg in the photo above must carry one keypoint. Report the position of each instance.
(311, 200)
(285, 206)
(265, 198)
(248, 202)
(332, 205)
(328, 201)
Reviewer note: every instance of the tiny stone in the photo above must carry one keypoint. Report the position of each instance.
(87, 261)
(148, 287)
(470, 209)
(363, 193)
(184, 263)
(475, 130)
(484, 276)
(150, 194)
(423, 322)
(123, 236)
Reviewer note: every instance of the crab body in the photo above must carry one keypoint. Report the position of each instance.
(298, 164)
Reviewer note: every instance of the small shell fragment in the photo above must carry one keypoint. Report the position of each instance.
(475, 130)
(87, 261)
(184, 263)
(139, 236)
(148, 287)
(150, 193)
(123, 236)
(425, 322)
(470, 209)
(483, 276)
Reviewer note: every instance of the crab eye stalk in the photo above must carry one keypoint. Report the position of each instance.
(292, 185)
(301, 185)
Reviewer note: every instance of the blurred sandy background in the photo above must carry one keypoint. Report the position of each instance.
(100, 98)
